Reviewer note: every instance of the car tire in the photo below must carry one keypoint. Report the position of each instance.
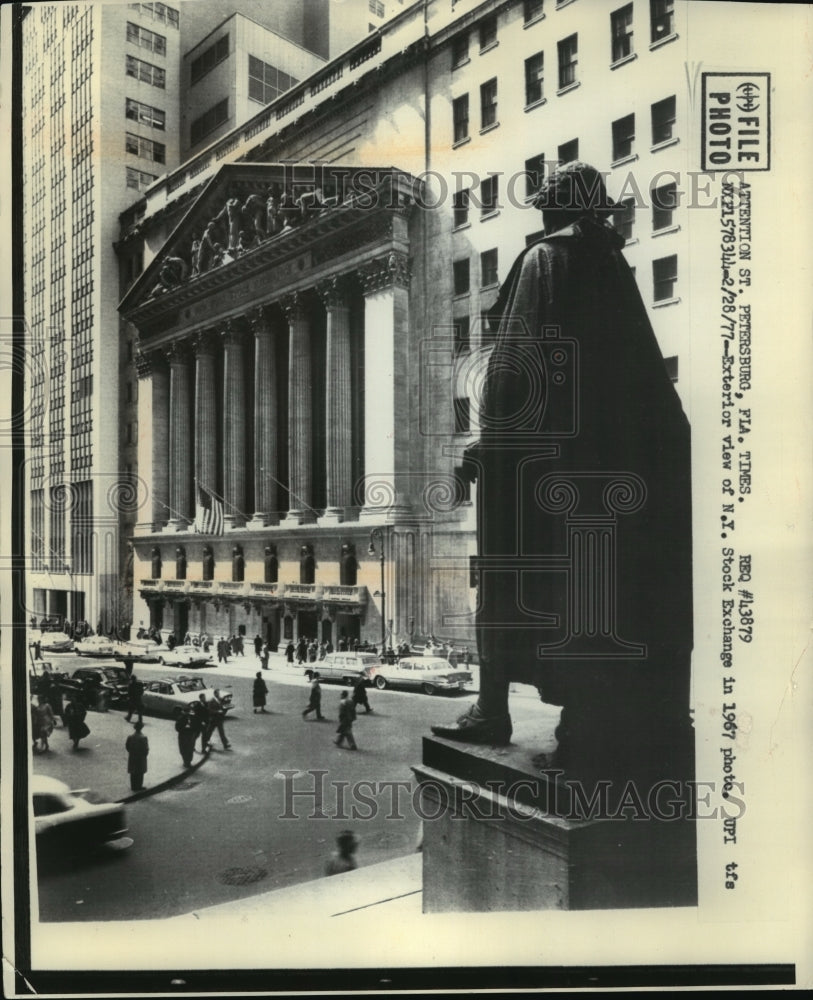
(380, 682)
(428, 688)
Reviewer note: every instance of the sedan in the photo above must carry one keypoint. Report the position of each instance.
(138, 650)
(72, 821)
(183, 656)
(171, 695)
(97, 687)
(95, 645)
(427, 673)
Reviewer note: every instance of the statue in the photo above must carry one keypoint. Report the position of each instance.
(273, 219)
(206, 248)
(289, 210)
(255, 209)
(232, 214)
(246, 242)
(584, 505)
(172, 273)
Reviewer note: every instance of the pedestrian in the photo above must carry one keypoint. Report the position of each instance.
(135, 689)
(259, 693)
(42, 722)
(289, 651)
(360, 692)
(128, 667)
(315, 703)
(137, 747)
(55, 700)
(258, 645)
(343, 645)
(313, 651)
(264, 653)
(74, 717)
(202, 718)
(221, 650)
(347, 716)
(37, 649)
(186, 726)
(343, 858)
(301, 650)
(238, 645)
(216, 718)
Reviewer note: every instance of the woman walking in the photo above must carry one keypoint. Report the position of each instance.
(259, 693)
(74, 716)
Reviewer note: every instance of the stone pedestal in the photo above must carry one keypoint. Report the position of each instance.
(509, 836)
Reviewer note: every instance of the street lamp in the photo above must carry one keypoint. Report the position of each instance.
(371, 551)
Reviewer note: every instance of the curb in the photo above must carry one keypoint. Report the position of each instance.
(145, 793)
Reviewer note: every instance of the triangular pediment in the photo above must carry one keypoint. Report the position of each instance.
(250, 210)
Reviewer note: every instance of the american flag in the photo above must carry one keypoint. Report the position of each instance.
(208, 512)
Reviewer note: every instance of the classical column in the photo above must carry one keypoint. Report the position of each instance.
(300, 412)
(153, 438)
(205, 413)
(180, 450)
(266, 499)
(385, 281)
(338, 412)
(234, 428)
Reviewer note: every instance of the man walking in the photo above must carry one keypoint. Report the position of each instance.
(216, 718)
(259, 693)
(347, 716)
(315, 703)
(138, 748)
(202, 719)
(186, 727)
(264, 653)
(360, 693)
(135, 689)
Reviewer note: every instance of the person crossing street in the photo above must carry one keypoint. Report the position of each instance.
(347, 716)
(315, 703)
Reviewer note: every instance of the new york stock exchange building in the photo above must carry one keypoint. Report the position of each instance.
(299, 435)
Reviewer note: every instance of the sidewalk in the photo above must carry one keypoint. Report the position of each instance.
(100, 763)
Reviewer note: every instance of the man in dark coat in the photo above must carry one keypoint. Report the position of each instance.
(74, 716)
(187, 728)
(347, 716)
(584, 503)
(135, 689)
(360, 692)
(259, 693)
(138, 748)
(315, 701)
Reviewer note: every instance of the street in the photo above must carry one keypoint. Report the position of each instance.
(266, 813)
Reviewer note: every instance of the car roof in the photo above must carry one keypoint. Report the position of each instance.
(428, 661)
(44, 785)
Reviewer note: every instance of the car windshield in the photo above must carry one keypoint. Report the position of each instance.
(192, 684)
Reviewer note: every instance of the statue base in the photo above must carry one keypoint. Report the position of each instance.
(501, 834)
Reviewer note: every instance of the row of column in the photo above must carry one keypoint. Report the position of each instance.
(193, 455)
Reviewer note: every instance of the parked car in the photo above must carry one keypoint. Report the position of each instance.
(427, 673)
(55, 642)
(183, 656)
(74, 821)
(344, 667)
(97, 687)
(170, 695)
(138, 650)
(95, 645)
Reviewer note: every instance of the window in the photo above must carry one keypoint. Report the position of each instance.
(568, 151)
(460, 50)
(266, 82)
(621, 31)
(461, 208)
(139, 179)
(623, 137)
(672, 367)
(158, 12)
(460, 112)
(376, 7)
(664, 203)
(462, 415)
(531, 10)
(488, 32)
(489, 192)
(568, 59)
(146, 72)
(488, 104)
(145, 115)
(661, 19)
(624, 221)
(147, 148)
(664, 278)
(146, 39)
(488, 268)
(534, 174)
(461, 276)
(663, 121)
(209, 121)
(207, 60)
(534, 74)
(462, 341)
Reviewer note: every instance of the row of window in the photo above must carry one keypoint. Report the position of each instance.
(146, 72)
(146, 39)
(348, 565)
(266, 82)
(209, 121)
(145, 114)
(489, 272)
(149, 149)
(208, 59)
(139, 180)
(158, 12)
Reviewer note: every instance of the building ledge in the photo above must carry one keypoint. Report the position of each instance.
(624, 60)
(663, 41)
(666, 302)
